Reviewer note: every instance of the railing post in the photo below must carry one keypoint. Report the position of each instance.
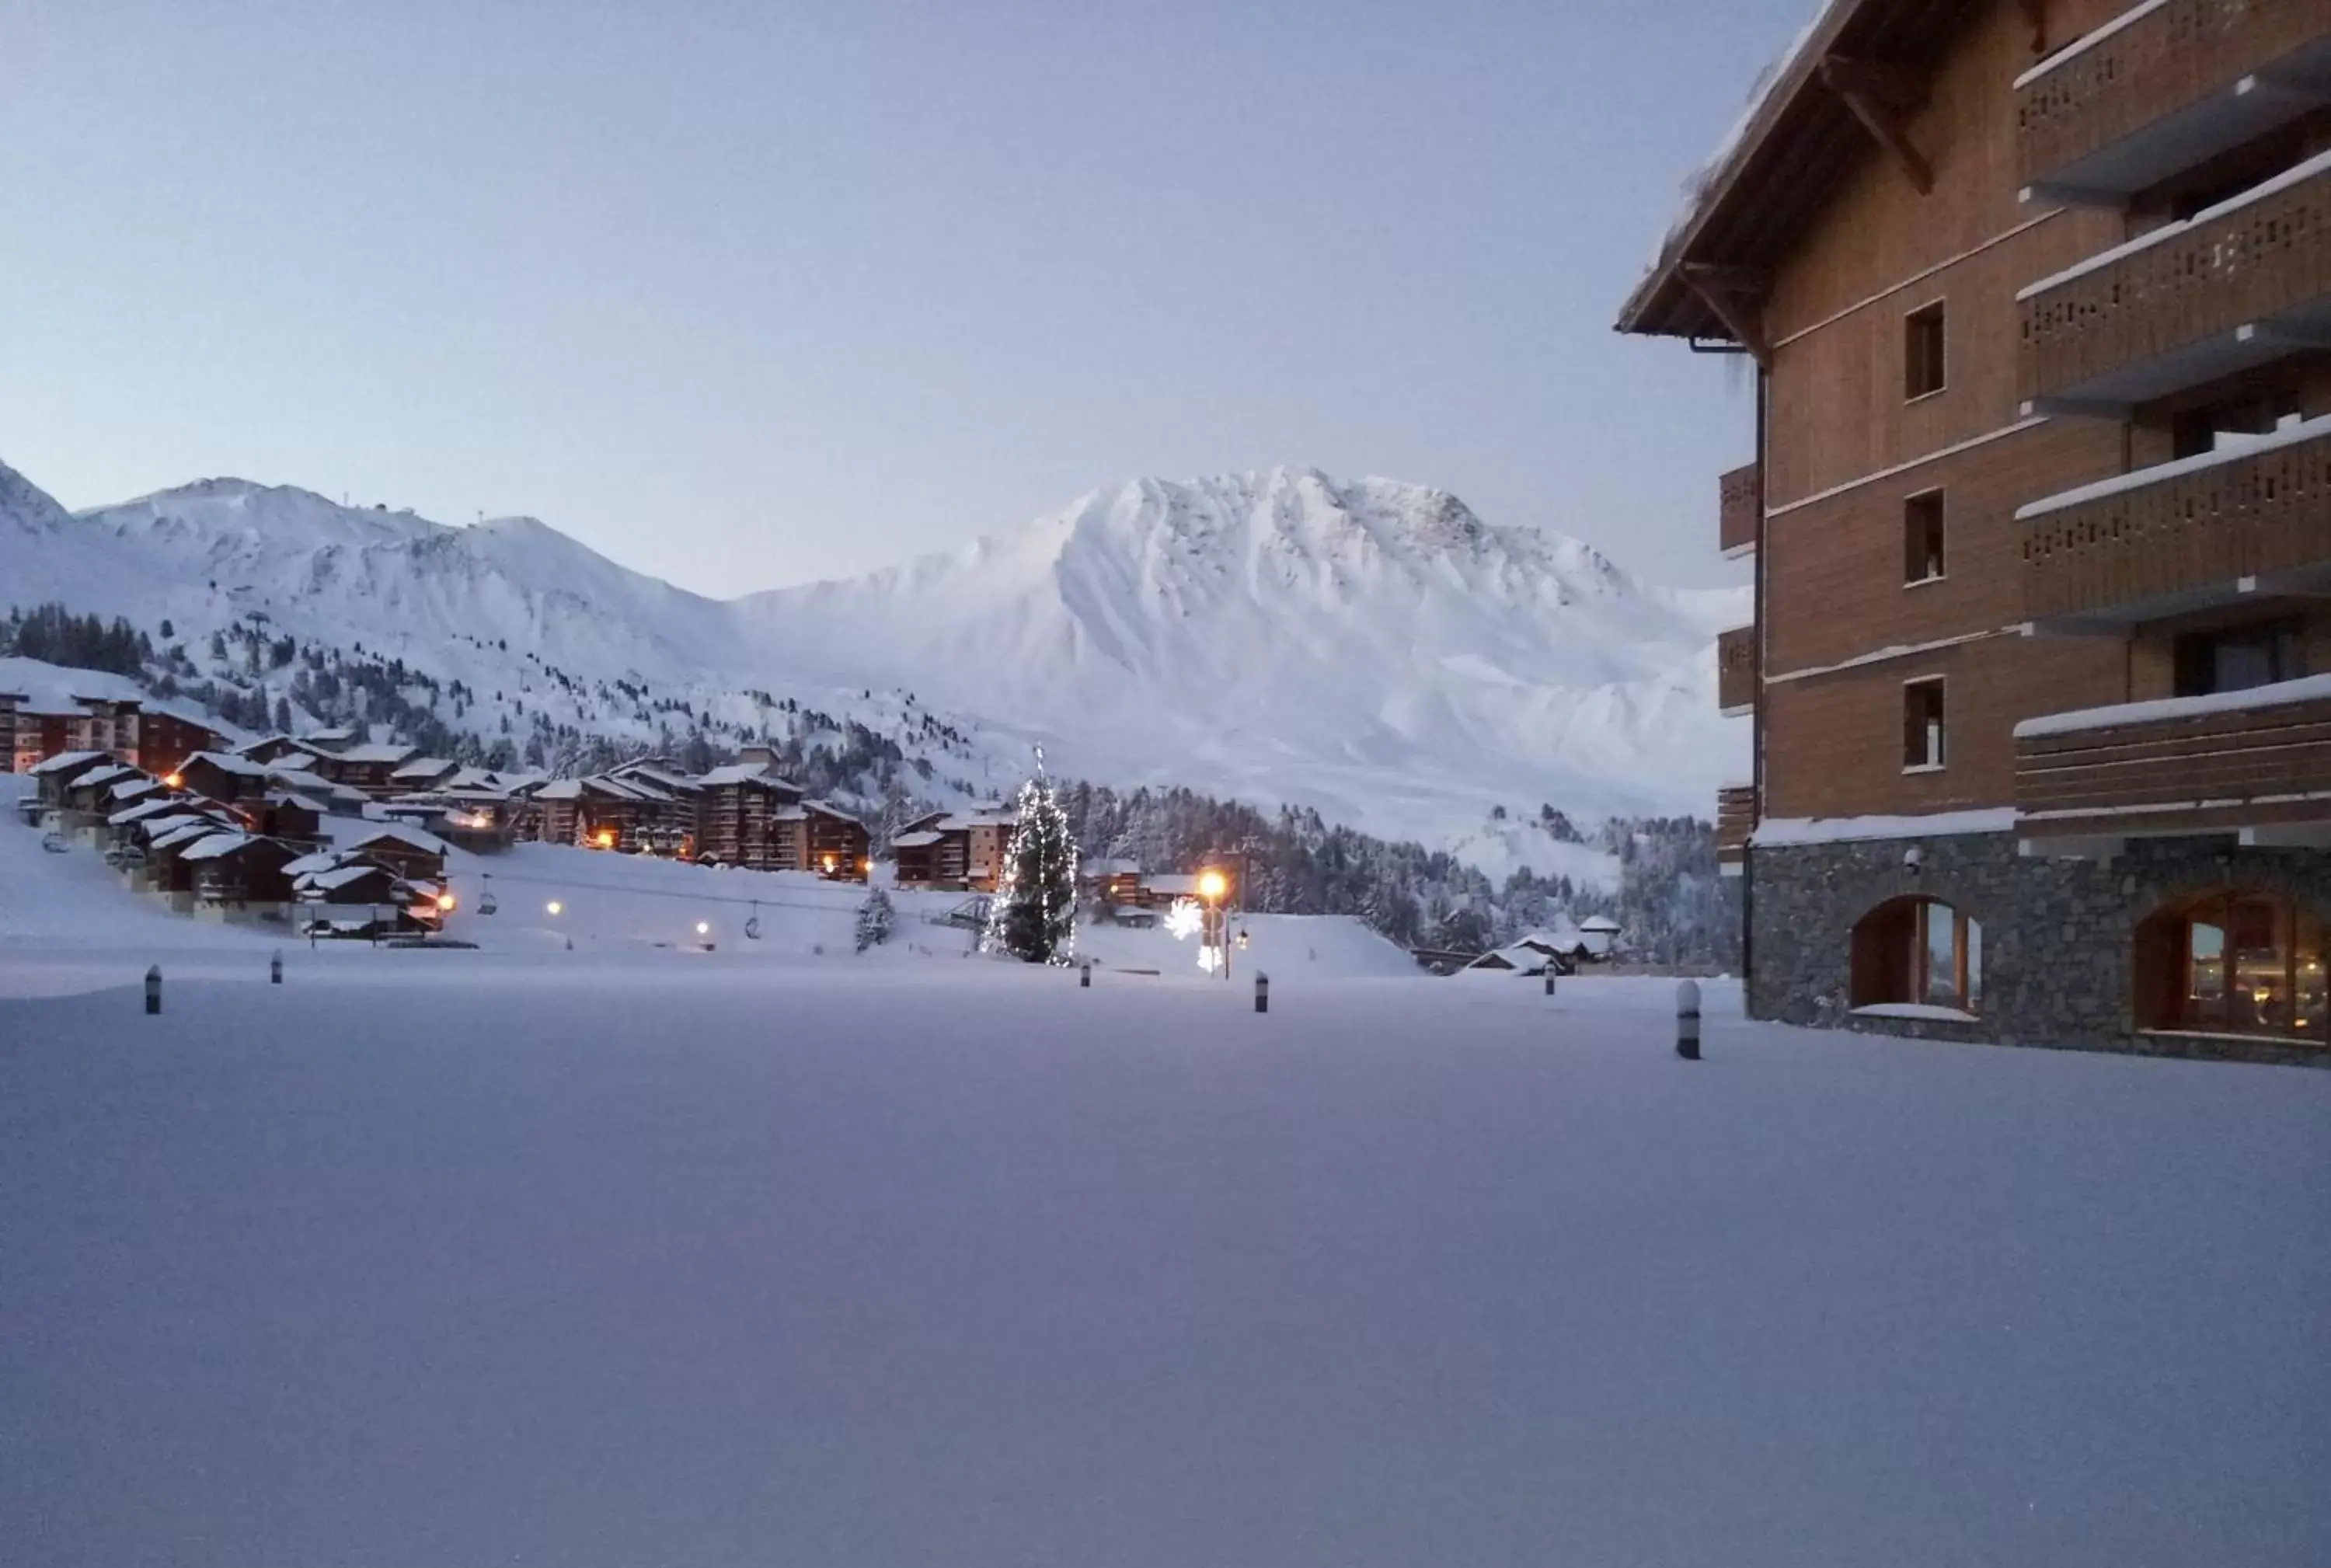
(1262, 992)
(153, 989)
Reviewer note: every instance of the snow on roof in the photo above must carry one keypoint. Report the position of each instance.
(169, 833)
(425, 767)
(922, 840)
(302, 779)
(828, 809)
(412, 838)
(386, 751)
(1101, 866)
(129, 789)
(140, 812)
(2138, 478)
(227, 762)
(1598, 923)
(341, 876)
(110, 774)
(560, 789)
(1172, 882)
(217, 845)
(743, 773)
(309, 865)
(2311, 689)
(332, 735)
(1787, 830)
(288, 797)
(64, 762)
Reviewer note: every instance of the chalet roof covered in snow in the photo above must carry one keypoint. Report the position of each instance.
(129, 789)
(425, 767)
(383, 751)
(409, 838)
(112, 772)
(746, 772)
(67, 762)
(140, 812)
(921, 841)
(228, 761)
(217, 846)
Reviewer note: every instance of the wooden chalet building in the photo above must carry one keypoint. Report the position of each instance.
(821, 837)
(224, 777)
(738, 807)
(2037, 295)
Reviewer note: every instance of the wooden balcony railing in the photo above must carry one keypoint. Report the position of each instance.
(2197, 530)
(1736, 818)
(2157, 63)
(2267, 256)
(1739, 510)
(1735, 669)
(2210, 764)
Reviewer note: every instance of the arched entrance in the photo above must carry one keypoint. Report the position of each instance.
(2235, 961)
(1919, 951)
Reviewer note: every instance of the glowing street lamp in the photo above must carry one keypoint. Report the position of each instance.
(445, 903)
(1211, 886)
(554, 906)
(704, 927)
(604, 838)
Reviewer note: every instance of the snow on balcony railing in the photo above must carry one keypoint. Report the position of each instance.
(2297, 173)
(2085, 41)
(2311, 689)
(2306, 430)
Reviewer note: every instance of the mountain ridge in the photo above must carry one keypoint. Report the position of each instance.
(1370, 647)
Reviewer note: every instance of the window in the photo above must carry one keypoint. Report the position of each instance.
(2237, 660)
(1922, 351)
(1922, 538)
(2233, 963)
(1917, 951)
(1922, 723)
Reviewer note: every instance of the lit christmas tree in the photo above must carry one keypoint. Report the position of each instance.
(1034, 916)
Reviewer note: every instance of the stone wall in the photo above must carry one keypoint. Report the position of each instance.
(2058, 935)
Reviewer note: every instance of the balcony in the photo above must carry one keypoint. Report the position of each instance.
(2256, 763)
(1740, 511)
(1735, 670)
(2236, 286)
(1736, 818)
(2164, 87)
(2190, 535)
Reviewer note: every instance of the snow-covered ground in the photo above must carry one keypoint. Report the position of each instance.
(635, 1253)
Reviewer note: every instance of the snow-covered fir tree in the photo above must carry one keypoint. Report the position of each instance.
(1034, 916)
(875, 919)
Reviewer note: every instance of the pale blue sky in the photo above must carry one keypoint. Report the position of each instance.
(746, 294)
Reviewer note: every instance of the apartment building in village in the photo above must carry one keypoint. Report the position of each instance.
(2039, 297)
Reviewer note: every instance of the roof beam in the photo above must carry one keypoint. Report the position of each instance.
(1879, 95)
(1735, 295)
(2035, 11)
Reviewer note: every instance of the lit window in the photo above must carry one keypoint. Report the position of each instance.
(2233, 963)
(1922, 723)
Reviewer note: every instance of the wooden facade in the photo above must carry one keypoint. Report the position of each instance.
(2039, 297)
(1739, 510)
(1736, 818)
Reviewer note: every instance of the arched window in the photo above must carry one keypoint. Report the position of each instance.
(1916, 951)
(2235, 962)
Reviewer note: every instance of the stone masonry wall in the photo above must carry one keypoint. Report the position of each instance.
(2058, 935)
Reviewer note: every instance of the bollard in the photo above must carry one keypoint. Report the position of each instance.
(1262, 992)
(1549, 977)
(1084, 976)
(1688, 1020)
(275, 970)
(154, 989)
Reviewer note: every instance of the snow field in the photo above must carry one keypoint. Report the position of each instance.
(645, 1261)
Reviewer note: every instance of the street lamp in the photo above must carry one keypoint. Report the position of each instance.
(1211, 886)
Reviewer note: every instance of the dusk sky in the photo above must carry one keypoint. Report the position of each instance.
(746, 295)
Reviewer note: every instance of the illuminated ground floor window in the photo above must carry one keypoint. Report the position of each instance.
(2233, 962)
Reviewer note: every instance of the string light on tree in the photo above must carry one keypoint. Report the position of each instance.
(1033, 915)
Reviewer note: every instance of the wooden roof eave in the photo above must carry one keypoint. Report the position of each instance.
(1807, 135)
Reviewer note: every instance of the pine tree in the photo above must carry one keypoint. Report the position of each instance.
(1034, 914)
(874, 920)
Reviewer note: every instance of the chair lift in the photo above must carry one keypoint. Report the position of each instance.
(487, 902)
(753, 923)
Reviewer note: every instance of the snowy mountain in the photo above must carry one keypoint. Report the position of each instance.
(1371, 648)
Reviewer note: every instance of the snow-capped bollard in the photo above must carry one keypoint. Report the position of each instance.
(275, 970)
(1084, 975)
(1688, 1020)
(1262, 992)
(154, 989)
(1549, 978)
